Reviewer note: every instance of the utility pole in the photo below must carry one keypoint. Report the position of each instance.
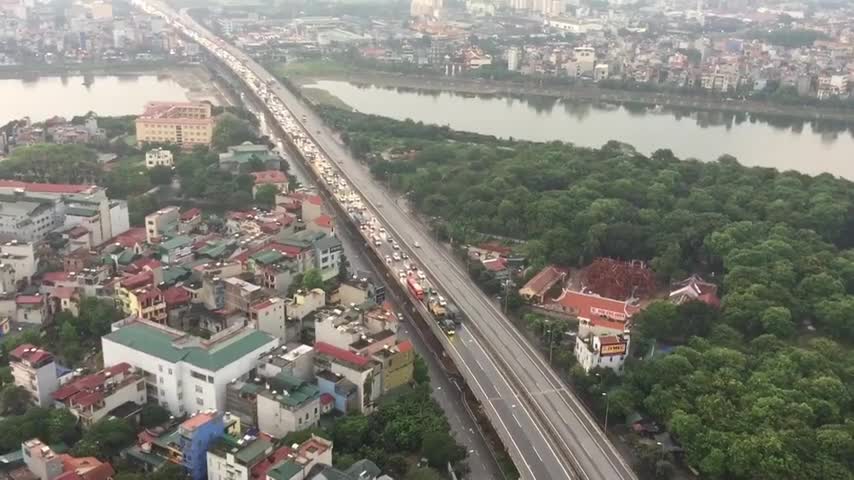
(607, 405)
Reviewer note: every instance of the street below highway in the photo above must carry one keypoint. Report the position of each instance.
(547, 431)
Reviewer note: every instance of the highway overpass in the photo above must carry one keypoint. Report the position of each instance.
(547, 431)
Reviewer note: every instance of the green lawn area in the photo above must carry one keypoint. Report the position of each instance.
(130, 140)
(322, 97)
(310, 68)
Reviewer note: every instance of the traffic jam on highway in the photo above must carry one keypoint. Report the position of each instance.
(375, 235)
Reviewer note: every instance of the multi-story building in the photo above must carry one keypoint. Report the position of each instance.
(159, 157)
(86, 205)
(46, 464)
(397, 363)
(180, 123)
(240, 294)
(363, 372)
(28, 218)
(314, 451)
(239, 156)
(160, 223)
(21, 256)
(297, 362)
(243, 458)
(287, 404)
(270, 316)
(602, 351)
(185, 373)
(93, 397)
(34, 370)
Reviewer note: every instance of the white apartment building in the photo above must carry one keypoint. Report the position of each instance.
(161, 222)
(269, 316)
(21, 256)
(159, 157)
(34, 370)
(287, 405)
(602, 351)
(184, 373)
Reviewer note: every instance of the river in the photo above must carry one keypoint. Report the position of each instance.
(106, 95)
(808, 147)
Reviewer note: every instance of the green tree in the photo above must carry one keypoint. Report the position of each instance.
(421, 374)
(312, 279)
(62, 427)
(14, 400)
(160, 175)
(266, 195)
(69, 344)
(231, 130)
(105, 439)
(153, 415)
(440, 449)
(424, 473)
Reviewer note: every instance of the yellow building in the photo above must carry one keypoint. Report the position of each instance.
(180, 123)
(398, 365)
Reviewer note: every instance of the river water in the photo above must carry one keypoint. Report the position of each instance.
(107, 95)
(807, 147)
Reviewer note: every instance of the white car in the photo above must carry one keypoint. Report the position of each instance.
(388, 259)
(417, 245)
(442, 301)
(421, 275)
(396, 256)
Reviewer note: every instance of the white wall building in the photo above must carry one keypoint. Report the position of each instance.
(185, 373)
(286, 408)
(34, 370)
(159, 157)
(602, 351)
(21, 256)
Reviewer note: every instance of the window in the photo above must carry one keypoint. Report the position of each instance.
(199, 389)
(170, 371)
(162, 392)
(315, 410)
(210, 379)
(197, 375)
(181, 396)
(160, 367)
(200, 401)
(161, 380)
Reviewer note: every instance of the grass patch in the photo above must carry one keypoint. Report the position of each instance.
(311, 68)
(323, 97)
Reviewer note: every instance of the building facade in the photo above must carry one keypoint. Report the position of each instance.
(180, 123)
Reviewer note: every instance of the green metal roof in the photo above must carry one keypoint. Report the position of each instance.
(268, 257)
(299, 392)
(214, 249)
(81, 211)
(176, 242)
(174, 273)
(158, 343)
(284, 471)
(126, 257)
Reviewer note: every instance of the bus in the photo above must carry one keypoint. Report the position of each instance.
(414, 288)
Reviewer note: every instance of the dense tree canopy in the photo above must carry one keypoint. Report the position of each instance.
(761, 388)
(52, 163)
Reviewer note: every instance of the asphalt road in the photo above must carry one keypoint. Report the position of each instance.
(548, 432)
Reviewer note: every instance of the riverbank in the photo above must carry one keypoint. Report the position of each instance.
(584, 93)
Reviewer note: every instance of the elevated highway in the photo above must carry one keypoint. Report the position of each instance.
(546, 430)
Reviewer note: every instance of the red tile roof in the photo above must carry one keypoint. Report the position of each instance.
(495, 264)
(347, 356)
(544, 280)
(260, 470)
(138, 280)
(288, 250)
(78, 231)
(53, 277)
(324, 221)
(589, 307)
(269, 177)
(326, 399)
(174, 296)
(190, 214)
(314, 199)
(404, 346)
(494, 247)
(143, 264)
(130, 238)
(30, 353)
(46, 187)
(64, 292)
(89, 382)
(29, 300)
(194, 422)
